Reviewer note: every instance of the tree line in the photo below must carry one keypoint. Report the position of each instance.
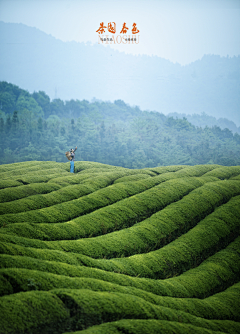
(34, 128)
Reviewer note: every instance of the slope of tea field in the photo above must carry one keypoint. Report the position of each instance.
(114, 250)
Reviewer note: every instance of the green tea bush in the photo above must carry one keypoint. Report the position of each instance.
(235, 177)
(130, 178)
(33, 171)
(225, 172)
(28, 174)
(12, 194)
(84, 205)
(111, 250)
(213, 275)
(156, 231)
(152, 326)
(29, 165)
(8, 183)
(166, 169)
(188, 250)
(62, 195)
(90, 165)
(198, 170)
(81, 308)
(28, 311)
(31, 178)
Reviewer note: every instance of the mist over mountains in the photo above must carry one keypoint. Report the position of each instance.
(37, 61)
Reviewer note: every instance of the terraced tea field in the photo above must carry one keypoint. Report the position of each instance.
(114, 250)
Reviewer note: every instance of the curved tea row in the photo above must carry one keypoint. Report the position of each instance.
(109, 249)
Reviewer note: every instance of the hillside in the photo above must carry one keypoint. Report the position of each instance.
(114, 250)
(37, 61)
(34, 128)
(206, 120)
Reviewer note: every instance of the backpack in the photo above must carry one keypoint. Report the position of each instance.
(68, 155)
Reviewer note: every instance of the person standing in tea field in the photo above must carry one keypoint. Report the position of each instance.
(71, 156)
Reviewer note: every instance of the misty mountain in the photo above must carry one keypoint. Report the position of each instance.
(206, 120)
(37, 61)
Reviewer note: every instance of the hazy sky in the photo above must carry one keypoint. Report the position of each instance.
(179, 30)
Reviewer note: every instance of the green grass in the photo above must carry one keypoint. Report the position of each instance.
(114, 250)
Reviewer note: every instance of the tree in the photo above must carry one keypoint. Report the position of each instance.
(53, 123)
(57, 107)
(15, 121)
(102, 131)
(8, 124)
(120, 103)
(74, 108)
(40, 124)
(7, 102)
(62, 131)
(72, 124)
(1, 125)
(43, 101)
(28, 102)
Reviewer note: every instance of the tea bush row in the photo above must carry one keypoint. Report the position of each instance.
(130, 178)
(33, 203)
(183, 225)
(91, 165)
(18, 192)
(7, 183)
(154, 171)
(224, 172)
(235, 177)
(125, 212)
(70, 192)
(150, 233)
(64, 309)
(223, 305)
(27, 176)
(27, 179)
(36, 169)
(30, 165)
(157, 230)
(152, 326)
(74, 208)
(211, 234)
(213, 275)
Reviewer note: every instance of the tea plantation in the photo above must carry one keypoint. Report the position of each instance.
(115, 250)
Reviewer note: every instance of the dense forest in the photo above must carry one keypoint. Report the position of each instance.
(33, 127)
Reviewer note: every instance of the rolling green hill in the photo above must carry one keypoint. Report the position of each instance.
(116, 250)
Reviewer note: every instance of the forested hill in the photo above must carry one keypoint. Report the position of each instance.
(32, 127)
(35, 61)
(202, 120)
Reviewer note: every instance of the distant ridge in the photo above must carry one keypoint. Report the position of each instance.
(37, 61)
(206, 120)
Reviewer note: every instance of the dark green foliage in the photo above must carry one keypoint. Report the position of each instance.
(153, 232)
(34, 128)
(212, 275)
(26, 311)
(8, 194)
(81, 308)
(152, 326)
(114, 250)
